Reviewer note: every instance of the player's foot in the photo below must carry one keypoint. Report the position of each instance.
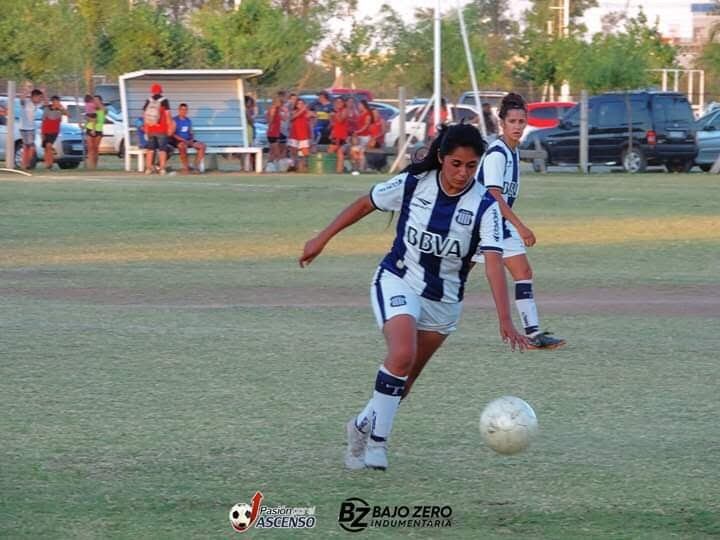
(376, 455)
(356, 443)
(545, 340)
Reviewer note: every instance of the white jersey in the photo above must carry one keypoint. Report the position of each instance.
(28, 109)
(437, 234)
(500, 167)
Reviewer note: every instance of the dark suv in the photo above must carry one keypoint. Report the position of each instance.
(663, 132)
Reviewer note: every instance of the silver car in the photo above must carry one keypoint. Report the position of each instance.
(708, 139)
(68, 147)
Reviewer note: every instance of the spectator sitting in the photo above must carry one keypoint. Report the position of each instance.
(184, 138)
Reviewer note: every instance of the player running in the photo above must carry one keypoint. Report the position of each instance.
(500, 173)
(445, 218)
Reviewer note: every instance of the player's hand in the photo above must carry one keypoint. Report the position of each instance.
(312, 249)
(528, 237)
(510, 335)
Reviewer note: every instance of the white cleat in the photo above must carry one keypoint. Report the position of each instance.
(356, 443)
(376, 455)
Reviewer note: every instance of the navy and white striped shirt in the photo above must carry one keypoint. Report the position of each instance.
(437, 234)
(500, 167)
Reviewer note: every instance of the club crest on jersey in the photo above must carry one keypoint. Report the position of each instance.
(428, 242)
(397, 301)
(464, 217)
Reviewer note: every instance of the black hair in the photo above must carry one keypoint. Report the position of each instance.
(182, 105)
(36, 92)
(511, 102)
(448, 139)
(55, 98)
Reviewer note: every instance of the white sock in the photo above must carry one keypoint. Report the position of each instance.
(525, 303)
(364, 419)
(386, 399)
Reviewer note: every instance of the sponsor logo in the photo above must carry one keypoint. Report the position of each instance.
(435, 244)
(496, 224)
(356, 515)
(464, 217)
(390, 185)
(510, 189)
(243, 516)
(397, 301)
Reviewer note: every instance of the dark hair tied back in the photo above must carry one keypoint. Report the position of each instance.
(448, 139)
(511, 101)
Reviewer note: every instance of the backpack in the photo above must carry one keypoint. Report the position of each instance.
(151, 115)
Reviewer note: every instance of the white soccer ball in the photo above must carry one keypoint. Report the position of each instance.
(508, 425)
(240, 516)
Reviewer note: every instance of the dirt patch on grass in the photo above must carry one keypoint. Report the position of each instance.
(663, 301)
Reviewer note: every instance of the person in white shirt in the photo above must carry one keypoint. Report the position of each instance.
(445, 218)
(28, 109)
(499, 172)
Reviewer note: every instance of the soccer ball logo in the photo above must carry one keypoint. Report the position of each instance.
(241, 517)
(508, 424)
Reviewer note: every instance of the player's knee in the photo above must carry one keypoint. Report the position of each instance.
(400, 358)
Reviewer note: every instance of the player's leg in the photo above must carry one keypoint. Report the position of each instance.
(49, 154)
(427, 344)
(151, 146)
(200, 153)
(519, 268)
(396, 307)
(182, 147)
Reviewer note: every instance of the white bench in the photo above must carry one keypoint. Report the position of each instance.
(246, 150)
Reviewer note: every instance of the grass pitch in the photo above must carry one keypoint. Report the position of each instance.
(163, 357)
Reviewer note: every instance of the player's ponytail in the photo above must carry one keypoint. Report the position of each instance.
(448, 139)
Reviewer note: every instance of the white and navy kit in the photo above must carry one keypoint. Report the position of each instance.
(437, 236)
(500, 167)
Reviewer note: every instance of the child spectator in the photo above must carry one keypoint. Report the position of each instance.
(184, 138)
(157, 124)
(29, 106)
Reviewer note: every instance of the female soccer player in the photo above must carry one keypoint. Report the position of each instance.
(445, 218)
(499, 173)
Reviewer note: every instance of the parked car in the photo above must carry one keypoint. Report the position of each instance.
(416, 130)
(708, 139)
(68, 146)
(493, 97)
(545, 114)
(631, 129)
(388, 112)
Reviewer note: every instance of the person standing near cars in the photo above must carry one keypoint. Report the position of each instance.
(50, 128)
(28, 109)
(94, 132)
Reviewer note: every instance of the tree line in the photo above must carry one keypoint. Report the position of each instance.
(297, 44)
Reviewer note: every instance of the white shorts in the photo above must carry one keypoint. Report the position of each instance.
(512, 246)
(295, 143)
(390, 295)
(364, 140)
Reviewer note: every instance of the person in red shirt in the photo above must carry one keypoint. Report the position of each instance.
(158, 126)
(274, 133)
(430, 118)
(339, 133)
(300, 134)
(377, 130)
(362, 136)
(50, 128)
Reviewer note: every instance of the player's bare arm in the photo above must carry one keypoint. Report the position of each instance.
(495, 272)
(352, 214)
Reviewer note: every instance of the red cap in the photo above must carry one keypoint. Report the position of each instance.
(156, 89)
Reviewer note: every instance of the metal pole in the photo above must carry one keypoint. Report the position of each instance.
(566, 18)
(401, 120)
(702, 89)
(437, 65)
(471, 70)
(10, 125)
(664, 80)
(584, 132)
(675, 84)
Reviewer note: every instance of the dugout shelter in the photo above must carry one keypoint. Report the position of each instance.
(215, 97)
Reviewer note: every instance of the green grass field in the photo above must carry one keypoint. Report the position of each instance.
(162, 357)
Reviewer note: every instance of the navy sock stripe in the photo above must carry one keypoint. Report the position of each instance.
(377, 439)
(523, 291)
(389, 385)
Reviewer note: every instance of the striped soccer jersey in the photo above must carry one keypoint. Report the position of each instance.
(500, 167)
(437, 234)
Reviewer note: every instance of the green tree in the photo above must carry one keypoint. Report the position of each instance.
(257, 35)
(623, 60)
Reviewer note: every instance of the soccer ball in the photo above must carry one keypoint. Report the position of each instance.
(240, 516)
(508, 424)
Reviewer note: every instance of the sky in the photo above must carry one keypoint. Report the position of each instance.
(675, 17)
